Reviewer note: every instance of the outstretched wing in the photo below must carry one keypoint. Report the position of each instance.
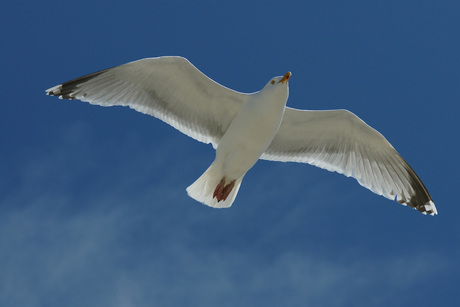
(169, 88)
(339, 141)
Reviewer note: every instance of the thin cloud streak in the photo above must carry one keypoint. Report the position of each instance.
(59, 258)
(131, 240)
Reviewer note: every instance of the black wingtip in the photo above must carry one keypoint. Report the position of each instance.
(67, 89)
(420, 199)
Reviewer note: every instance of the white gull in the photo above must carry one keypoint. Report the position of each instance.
(245, 127)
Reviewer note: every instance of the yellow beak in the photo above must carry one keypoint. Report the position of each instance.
(285, 77)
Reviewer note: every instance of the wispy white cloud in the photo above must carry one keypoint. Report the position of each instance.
(108, 231)
(105, 256)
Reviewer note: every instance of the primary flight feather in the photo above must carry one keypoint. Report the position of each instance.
(247, 127)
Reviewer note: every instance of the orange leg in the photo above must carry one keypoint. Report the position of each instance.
(219, 189)
(222, 190)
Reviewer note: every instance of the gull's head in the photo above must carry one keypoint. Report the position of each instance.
(278, 85)
(279, 81)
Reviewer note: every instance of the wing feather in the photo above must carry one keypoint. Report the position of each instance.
(169, 88)
(339, 141)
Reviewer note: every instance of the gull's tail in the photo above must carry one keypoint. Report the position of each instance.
(211, 186)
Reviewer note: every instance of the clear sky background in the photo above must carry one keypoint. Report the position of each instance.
(93, 208)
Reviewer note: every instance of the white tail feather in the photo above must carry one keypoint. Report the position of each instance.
(203, 188)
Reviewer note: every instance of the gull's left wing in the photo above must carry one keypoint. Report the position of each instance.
(339, 141)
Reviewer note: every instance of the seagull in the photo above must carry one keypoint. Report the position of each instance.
(244, 128)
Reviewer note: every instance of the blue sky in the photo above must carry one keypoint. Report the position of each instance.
(93, 208)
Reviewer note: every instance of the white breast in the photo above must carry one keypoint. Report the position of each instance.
(249, 134)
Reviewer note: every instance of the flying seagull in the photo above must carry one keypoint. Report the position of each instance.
(244, 128)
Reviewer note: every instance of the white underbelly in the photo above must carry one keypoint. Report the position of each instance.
(246, 139)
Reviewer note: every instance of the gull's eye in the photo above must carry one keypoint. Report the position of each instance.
(272, 82)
